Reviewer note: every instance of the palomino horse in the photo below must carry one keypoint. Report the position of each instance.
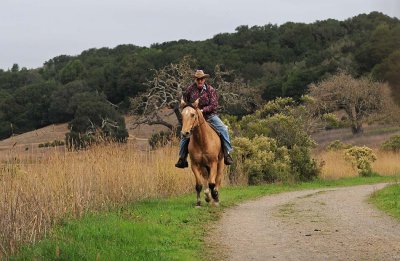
(206, 156)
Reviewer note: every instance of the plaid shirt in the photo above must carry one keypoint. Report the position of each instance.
(208, 98)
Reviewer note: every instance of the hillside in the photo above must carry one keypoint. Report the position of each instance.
(372, 137)
(276, 61)
(29, 141)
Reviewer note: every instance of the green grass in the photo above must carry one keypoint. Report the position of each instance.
(159, 229)
(388, 200)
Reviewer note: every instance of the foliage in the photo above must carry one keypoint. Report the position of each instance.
(94, 121)
(337, 145)
(273, 143)
(361, 98)
(168, 84)
(263, 160)
(107, 234)
(361, 158)
(393, 144)
(54, 143)
(269, 59)
(387, 199)
(282, 119)
(331, 121)
(160, 139)
(388, 70)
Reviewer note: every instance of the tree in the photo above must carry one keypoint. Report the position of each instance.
(388, 71)
(72, 71)
(168, 84)
(359, 98)
(95, 120)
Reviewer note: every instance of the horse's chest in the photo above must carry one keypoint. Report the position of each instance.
(204, 157)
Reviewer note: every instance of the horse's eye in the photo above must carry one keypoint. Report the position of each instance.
(193, 115)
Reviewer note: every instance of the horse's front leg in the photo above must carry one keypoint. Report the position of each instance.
(198, 190)
(197, 174)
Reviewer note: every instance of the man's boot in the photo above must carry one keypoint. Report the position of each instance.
(182, 163)
(227, 158)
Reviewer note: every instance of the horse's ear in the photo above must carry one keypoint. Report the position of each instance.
(196, 104)
(182, 104)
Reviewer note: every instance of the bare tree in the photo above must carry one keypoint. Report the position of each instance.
(168, 84)
(361, 99)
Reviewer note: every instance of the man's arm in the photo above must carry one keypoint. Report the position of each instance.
(213, 104)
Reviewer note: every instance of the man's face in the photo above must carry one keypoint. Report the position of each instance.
(200, 82)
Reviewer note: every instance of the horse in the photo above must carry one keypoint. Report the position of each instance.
(206, 155)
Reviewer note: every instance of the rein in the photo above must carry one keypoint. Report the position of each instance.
(198, 117)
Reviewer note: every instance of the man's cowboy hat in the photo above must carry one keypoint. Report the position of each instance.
(201, 74)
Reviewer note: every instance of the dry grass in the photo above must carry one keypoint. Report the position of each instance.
(37, 192)
(334, 165)
(387, 163)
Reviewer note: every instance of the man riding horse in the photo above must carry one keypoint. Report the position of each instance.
(208, 103)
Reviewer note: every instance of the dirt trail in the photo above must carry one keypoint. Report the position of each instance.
(323, 224)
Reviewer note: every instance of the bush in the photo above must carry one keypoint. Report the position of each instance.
(77, 141)
(54, 143)
(160, 139)
(263, 160)
(275, 145)
(303, 167)
(337, 145)
(95, 121)
(331, 121)
(393, 144)
(361, 158)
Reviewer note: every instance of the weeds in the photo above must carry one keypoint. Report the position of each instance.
(36, 193)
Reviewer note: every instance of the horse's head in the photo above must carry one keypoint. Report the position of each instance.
(190, 117)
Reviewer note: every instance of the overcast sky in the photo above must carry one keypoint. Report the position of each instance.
(34, 31)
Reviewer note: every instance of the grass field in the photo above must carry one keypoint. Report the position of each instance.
(43, 188)
(388, 200)
(159, 229)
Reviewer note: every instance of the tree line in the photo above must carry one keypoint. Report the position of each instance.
(92, 90)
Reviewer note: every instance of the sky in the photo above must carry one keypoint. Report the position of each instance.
(34, 31)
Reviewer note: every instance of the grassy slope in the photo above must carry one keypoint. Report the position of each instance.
(164, 229)
(388, 200)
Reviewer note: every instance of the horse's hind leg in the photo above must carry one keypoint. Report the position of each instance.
(211, 182)
(215, 180)
(214, 192)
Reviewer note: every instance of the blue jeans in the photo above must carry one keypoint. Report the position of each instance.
(216, 122)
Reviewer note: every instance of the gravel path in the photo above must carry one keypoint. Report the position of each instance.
(323, 224)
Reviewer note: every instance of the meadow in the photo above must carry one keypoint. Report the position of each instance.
(40, 191)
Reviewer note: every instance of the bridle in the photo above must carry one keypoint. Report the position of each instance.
(194, 126)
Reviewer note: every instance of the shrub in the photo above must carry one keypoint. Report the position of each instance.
(95, 121)
(337, 145)
(264, 161)
(303, 167)
(54, 143)
(393, 144)
(331, 121)
(160, 139)
(275, 144)
(361, 158)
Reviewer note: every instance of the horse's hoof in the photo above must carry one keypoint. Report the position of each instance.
(215, 204)
(207, 193)
(197, 206)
